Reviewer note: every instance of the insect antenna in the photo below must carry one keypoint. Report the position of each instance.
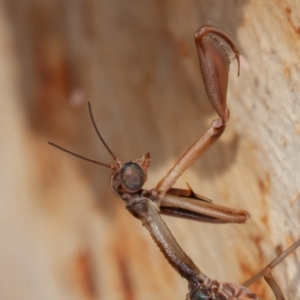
(103, 142)
(82, 157)
(101, 138)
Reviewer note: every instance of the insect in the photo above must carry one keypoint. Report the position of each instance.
(127, 179)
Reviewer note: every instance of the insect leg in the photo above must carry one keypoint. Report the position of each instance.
(203, 211)
(266, 272)
(214, 64)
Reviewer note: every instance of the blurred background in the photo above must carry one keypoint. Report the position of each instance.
(63, 234)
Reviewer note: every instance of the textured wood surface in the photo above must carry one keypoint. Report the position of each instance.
(63, 235)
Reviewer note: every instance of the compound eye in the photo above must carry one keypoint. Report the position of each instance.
(132, 176)
(200, 294)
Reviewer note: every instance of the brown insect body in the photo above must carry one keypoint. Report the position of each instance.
(128, 179)
(212, 289)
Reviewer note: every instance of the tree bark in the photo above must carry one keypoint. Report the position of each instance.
(63, 234)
